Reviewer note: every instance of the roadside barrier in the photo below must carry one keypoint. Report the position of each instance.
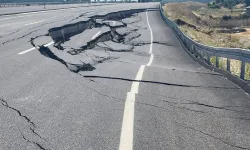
(216, 58)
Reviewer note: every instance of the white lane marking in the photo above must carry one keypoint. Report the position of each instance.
(114, 22)
(151, 33)
(127, 131)
(135, 85)
(150, 60)
(126, 140)
(48, 44)
(33, 48)
(34, 22)
(28, 50)
(96, 35)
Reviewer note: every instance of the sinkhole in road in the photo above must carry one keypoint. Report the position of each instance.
(75, 48)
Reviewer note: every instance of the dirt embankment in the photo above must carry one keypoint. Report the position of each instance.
(211, 26)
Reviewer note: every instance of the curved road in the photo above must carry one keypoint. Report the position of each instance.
(143, 93)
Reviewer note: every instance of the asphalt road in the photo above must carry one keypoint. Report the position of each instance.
(123, 83)
(24, 9)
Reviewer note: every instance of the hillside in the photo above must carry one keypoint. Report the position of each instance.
(206, 25)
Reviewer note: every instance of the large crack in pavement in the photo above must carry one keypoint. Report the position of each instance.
(11, 33)
(212, 106)
(148, 43)
(19, 37)
(31, 125)
(155, 82)
(78, 52)
(82, 55)
(35, 143)
(177, 104)
(75, 49)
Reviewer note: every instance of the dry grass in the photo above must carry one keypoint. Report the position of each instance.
(190, 11)
(218, 13)
(247, 73)
(216, 40)
(243, 37)
(182, 10)
(235, 66)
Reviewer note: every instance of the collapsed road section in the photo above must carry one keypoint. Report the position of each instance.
(83, 44)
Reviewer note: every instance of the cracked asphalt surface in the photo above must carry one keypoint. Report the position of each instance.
(70, 94)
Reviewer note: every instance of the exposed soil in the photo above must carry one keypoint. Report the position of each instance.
(205, 25)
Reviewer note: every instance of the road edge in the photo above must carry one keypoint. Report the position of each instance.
(236, 80)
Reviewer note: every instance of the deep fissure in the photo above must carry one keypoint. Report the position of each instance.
(63, 34)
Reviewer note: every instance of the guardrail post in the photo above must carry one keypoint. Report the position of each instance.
(192, 48)
(242, 70)
(208, 59)
(217, 62)
(228, 64)
(196, 52)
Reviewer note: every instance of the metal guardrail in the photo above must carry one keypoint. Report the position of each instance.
(205, 52)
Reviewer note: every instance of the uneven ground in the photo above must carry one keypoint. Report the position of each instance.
(79, 80)
(207, 23)
(244, 37)
(205, 33)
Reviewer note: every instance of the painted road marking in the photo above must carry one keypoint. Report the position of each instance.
(34, 22)
(95, 36)
(151, 33)
(48, 44)
(127, 131)
(128, 123)
(33, 48)
(28, 50)
(150, 60)
(135, 85)
(114, 22)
